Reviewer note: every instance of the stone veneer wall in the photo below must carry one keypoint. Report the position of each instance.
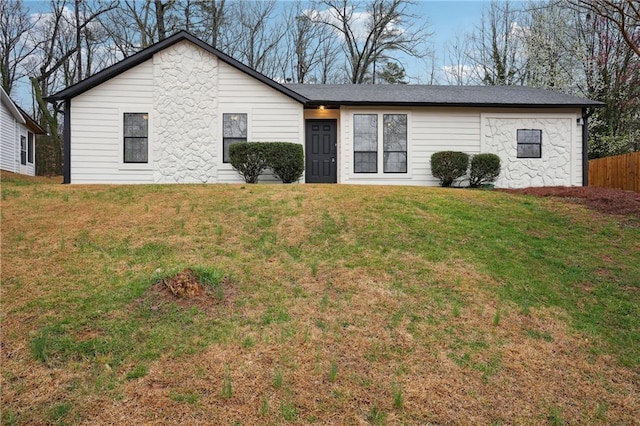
(185, 107)
(553, 169)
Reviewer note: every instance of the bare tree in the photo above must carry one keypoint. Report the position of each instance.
(383, 28)
(161, 9)
(137, 24)
(307, 46)
(624, 14)
(496, 54)
(15, 46)
(57, 43)
(213, 15)
(457, 70)
(255, 38)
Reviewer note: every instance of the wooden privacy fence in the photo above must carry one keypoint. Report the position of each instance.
(620, 172)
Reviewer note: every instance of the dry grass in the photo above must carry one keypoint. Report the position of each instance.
(336, 300)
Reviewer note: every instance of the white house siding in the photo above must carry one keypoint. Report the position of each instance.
(96, 128)
(271, 115)
(561, 161)
(474, 131)
(11, 130)
(9, 138)
(429, 130)
(185, 90)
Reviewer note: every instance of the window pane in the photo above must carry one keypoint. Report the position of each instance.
(365, 162)
(395, 132)
(136, 125)
(23, 150)
(395, 162)
(529, 136)
(135, 150)
(30, 147)
(529, 151)
(234, 125)
(365, 132)
(227, 142)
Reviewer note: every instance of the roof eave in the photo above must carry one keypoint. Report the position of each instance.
(316, 103)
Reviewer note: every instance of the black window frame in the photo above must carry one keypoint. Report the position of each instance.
(227, 141)
(361, 152)
(384, 144)
(128, 138)
(23, 150)
(527, 143)
(30, 147)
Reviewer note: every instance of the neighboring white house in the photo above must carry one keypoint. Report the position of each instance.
(17, 137)
(169, 113)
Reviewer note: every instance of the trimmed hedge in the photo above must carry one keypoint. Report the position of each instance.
(286, 159)
(449, 166)
(485, 168)
(251, 159)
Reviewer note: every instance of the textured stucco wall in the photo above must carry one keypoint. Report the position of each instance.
(555, 166)
(185, 106)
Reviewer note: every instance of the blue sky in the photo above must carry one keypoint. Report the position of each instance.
(446, 20)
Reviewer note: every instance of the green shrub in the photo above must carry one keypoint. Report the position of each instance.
(449, 166)
(249, 159)
(485, 168)
(286, 160)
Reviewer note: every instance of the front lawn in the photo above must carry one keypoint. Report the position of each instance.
(320, 304)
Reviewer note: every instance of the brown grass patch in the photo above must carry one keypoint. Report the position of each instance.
(6, 176)
(512, 378)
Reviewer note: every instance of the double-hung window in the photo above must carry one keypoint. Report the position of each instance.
(529, 143)
(365, 143)
(136, 137)
(234, 130)
(367, 129)
(395, 143)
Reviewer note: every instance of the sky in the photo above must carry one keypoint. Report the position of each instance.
(446, 20)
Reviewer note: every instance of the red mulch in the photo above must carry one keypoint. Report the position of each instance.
(605, 200)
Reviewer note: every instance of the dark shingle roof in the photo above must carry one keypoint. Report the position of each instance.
(428, 95)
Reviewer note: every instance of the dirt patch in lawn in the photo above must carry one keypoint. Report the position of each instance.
(184, 289)
(605, 200)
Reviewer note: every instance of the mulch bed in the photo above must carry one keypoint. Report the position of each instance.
(605, 200)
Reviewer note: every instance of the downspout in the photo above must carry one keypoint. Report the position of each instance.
(66, 135)
(585, 145)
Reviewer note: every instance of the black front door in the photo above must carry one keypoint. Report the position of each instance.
(320, 163)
